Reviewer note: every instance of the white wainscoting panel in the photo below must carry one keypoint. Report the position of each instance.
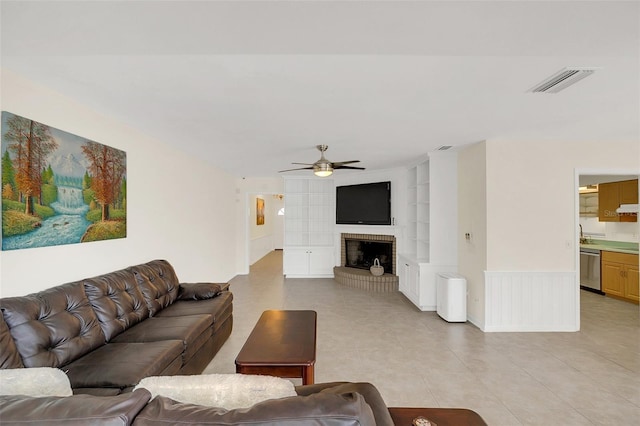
(531, 301)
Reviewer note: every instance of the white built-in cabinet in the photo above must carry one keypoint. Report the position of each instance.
(431, 232)
(309, 220)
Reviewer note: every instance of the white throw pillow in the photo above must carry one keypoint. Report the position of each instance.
(229, 391)
(40, 381)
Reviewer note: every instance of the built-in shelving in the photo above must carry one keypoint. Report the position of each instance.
(309, 226)
(431, 230)
(418, 212)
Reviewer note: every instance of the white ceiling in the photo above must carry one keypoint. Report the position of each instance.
(254, 86)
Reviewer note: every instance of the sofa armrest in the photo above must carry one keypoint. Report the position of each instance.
(199, 291)
(76, 410)
(367, 390)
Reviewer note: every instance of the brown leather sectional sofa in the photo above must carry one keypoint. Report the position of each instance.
(328, 404)
(109, 332)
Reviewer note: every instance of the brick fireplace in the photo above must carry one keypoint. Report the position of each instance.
(357, 254)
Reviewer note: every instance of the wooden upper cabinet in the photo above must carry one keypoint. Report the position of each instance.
(611, 195)
(629, 191)
(608, 202)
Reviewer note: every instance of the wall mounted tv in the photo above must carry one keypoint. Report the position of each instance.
(364, 204)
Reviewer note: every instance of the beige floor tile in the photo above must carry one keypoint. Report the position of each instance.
(614, 414)
(536, 417)
(417, 359)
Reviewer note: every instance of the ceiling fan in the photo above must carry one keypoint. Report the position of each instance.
(324, 167)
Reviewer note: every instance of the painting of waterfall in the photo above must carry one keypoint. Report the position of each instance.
(59, 188)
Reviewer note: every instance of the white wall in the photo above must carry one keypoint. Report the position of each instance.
(472, 219)
(278, 230)
(178, 207)
(531, 227)
(531, 192)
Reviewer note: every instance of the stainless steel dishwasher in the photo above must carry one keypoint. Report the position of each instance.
(590, 270)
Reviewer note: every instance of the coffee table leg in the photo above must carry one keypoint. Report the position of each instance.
(307, 375)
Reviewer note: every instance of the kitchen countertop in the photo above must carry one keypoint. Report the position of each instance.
(616, 246)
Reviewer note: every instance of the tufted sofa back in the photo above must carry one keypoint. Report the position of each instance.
(117, 301)
(53, 327)
(158, 282)
(9, 357)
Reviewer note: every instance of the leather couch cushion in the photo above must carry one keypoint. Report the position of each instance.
(223, 318)
(215, 307)
(9, 356)
(198, 291)
(158, 282)
(74, 410)
(53, 327)
(193, 330)
(117, 301)
(317, 409)
(121, 365)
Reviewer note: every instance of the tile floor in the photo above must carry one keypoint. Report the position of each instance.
(417, 359)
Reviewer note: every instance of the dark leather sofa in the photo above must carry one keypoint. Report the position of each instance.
(328, 404)
(109, 332)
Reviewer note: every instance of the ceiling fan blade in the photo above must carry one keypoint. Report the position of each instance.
(348, 167)
(340, 163)
(301, 168)
(304, 164)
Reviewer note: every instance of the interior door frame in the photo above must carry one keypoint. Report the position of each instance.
(247, 224)
(588, 172)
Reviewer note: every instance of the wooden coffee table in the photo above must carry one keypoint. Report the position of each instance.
(282, 344)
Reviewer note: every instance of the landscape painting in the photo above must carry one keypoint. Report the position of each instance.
(59, 188)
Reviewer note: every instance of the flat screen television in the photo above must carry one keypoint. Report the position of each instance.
(364, 204)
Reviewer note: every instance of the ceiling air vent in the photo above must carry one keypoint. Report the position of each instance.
(562, 79)
(443, 147)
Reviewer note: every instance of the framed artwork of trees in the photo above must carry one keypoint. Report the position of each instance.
(59, 188)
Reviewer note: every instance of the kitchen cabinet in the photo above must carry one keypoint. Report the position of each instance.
(611, 195)
(619, 274)
(629, 191)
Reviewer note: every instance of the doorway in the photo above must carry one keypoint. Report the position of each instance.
(591, 231)
(264, 225)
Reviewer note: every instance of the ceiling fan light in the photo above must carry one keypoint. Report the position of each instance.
(322, 169)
